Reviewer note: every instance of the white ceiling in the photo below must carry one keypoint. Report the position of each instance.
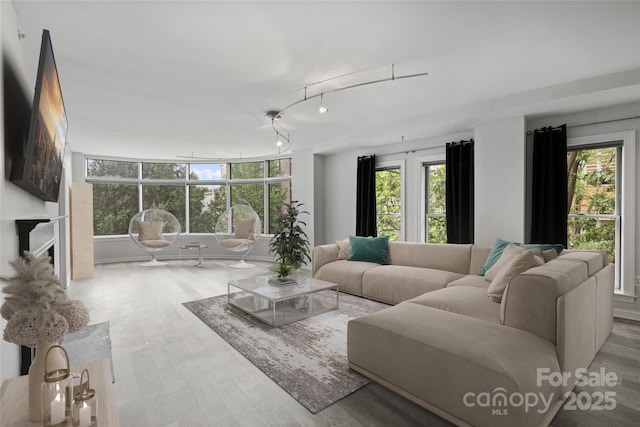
(161, 79)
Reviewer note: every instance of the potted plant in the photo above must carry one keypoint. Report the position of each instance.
(289, 244)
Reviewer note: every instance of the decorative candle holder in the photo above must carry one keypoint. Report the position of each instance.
(85, 405)
(55, 411)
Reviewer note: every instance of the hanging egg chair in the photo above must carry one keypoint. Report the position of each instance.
(154, 230)
(237, 230)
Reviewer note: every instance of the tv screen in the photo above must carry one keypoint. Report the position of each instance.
(40, 169)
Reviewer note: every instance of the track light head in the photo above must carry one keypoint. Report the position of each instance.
(322, 108)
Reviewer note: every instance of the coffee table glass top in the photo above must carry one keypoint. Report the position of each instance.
(278, 305)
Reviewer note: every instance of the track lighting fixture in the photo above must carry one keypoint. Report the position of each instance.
(284, 143)
(322, 108)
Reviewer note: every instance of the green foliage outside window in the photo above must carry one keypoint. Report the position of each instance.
(116, 203)
(247, 170)
(279, 198)
(113, 207)
(99, 168)
(437, 203)
(206, 204)
(164, 171)
(592, 192)
(389, 203)
(253, 194)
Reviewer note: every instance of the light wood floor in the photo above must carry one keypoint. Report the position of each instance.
(172, 370)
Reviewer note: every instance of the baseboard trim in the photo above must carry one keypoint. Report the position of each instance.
(626, 314)
(169, 259)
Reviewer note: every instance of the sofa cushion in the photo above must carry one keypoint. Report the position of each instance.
(496, 252)
(150, 230)
(440, 357)
(595, 259)
(479, 254)
(509, 252)
(516, 265)
(549, 254)
(369, 249)
(155, 243)
(343, 248)
(500, 245)
(471, 280)
(448, 257)
(347, 274)
(530, 300)
(467, 300)
(243, 228)
(395, 283)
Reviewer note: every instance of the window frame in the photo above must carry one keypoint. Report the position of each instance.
(187, 182)
(397, 164)
(439, 157)
(625, 274)
(425, 199)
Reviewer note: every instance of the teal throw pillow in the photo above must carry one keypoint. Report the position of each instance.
(494, 255)
(370, 249)
(543, 247)
(498, 248)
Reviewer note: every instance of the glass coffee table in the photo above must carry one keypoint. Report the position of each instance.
(278, 305)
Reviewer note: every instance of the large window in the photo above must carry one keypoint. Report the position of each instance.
(594, 215)
(435, 221)
(113, 207)
(196, 193)
(389, 202)
(601, 197)
(206, 204)
(170, 198)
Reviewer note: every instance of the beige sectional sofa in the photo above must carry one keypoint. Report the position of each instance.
(446, 346)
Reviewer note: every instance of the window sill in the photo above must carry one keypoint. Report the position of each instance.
(620, 297)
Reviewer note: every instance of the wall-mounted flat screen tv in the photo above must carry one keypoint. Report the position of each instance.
(39, 171)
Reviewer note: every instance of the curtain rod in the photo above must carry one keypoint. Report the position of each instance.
(528, 133)
(596, 123)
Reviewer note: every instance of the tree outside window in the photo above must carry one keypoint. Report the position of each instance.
(206, 204)
(279, 198)
(389, 203)
(436, 202)
(594, 219)
(111, 169)
(170, 198)
(113, 207)
(212, 188)
(253, 194)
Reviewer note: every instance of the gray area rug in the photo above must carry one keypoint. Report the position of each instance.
(307, 359)
(91, 343)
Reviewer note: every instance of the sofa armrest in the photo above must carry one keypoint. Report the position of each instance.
(322, 255)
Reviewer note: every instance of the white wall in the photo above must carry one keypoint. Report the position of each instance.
(500, 180)
(340, 183)
(303, 168)
(340, 196)
(15, 203)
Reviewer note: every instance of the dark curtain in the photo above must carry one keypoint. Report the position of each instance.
(366, 197)
(459, 189)
(549, 186)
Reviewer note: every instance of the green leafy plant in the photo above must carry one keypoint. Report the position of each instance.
(281, 269)
(290, 243)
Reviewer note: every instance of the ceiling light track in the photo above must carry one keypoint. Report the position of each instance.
(393, 77)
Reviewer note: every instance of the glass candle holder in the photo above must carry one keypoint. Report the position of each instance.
(85, 405)
(55, 411)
